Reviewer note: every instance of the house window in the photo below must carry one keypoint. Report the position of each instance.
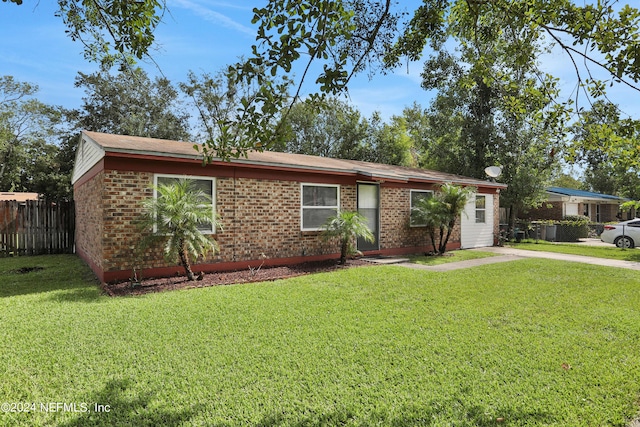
(481, 209)
(585, 210)
(415, 196)
(597, 213)
(319, 202)
(204, 184)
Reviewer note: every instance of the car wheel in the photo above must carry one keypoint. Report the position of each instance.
(624, 242)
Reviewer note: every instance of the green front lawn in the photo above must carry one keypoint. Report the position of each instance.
(451, 256)
(529, 342)
(580, 249)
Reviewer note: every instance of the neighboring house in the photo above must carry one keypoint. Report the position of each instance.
(9, 211)
(567, 201)
(269, 203)
(19, 197)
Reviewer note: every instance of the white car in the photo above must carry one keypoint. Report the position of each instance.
(624, 234)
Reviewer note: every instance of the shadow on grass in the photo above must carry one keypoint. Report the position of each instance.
(633, 255)
(87, 294)
(410, 416)
(119, 405)
(48, 273)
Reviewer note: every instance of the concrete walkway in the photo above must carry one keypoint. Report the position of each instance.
(505, 254)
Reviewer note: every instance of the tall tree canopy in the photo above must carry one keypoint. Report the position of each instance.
(30, 160)
(111, 31)
(236, 115)
(327, 128)
(331, 127)
(491, 109)
(348, 36)
(130, 103)
(608, 146)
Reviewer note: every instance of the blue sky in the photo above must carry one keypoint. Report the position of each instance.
(203, 36)
(198, 35)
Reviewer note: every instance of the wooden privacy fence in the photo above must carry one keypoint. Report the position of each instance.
(36, 227)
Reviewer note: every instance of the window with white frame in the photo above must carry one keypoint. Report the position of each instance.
(205, 184)
(481, 209)
(416, 195)
(319, 202)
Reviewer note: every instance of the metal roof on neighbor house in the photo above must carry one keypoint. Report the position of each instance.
(133, 145)
(570, 192)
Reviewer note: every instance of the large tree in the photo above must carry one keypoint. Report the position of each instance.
(237, 115)
(30, 160)
(111, 31)
(392, 143)
(608, 147)
(130, 103)
(349, 36)
(510, 121)
(328, 128)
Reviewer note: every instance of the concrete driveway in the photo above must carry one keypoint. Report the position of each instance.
(590, 242)
(505, 254)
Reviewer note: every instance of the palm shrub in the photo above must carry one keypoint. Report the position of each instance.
(347, 226)
(440, 212)
(174, 217)
(429, 211)
(454, 198)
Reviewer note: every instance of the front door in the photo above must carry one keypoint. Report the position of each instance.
(369, 206)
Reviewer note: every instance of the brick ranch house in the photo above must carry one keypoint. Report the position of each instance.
(269, 203)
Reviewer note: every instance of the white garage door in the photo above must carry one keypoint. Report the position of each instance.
(477, 222)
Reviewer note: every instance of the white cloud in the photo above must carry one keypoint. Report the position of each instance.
(211, 15)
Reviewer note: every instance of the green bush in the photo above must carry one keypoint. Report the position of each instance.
(572, 228)
(577, 219)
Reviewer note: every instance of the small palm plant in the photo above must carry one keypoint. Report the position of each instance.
(347, 226)
(429, 211)
(174, 217)
(440, 213)
(454, 198)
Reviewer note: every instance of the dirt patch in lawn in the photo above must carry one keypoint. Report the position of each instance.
(226, 278)
(25, 270)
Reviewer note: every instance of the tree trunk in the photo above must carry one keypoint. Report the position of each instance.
(432, 234)
(185, 262)
(513, 213)
(443, 244)
(343, 252)
(440, 248)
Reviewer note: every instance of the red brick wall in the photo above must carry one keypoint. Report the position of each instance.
(89, 224)
(263, 217)
(395, 232)
(607, 213)
(258, 216)
(122, 197)
(496, 217)
(548, 210)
